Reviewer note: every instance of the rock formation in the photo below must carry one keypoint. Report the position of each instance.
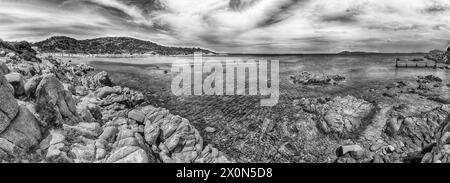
(56, 112)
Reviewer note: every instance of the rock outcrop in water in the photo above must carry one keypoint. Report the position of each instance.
(439, 56)
(56, 112)
(306, 78)
(411, 125)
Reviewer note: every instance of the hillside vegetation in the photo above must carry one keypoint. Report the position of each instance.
(110, 45)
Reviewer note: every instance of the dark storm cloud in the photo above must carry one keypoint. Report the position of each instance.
(283, 13)
(394, 27)
(241, 4)
(349, 16)
(436, 9)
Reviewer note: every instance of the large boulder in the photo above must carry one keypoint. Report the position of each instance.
(17, 81)
(106, 91)
(89, 111)
(127, 97)
(24, 130)
(416, 127)
(341, 115)
(8, 105)
(128, 154)
(31, 85)
(55, 144)
(3, 68)
(130, 147)
(98, 80)
(55, 105)
(176, 139)
(441, 152)
(102, 78)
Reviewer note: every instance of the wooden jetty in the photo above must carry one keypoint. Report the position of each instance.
(419, 65)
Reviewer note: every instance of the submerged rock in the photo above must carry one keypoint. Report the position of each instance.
(306, 78)
(341, 115)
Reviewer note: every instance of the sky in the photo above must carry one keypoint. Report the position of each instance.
(239, 26)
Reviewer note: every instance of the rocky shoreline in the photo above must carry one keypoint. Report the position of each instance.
(52, 111)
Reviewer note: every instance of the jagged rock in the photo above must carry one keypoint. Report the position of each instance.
(417, 127)
(57, 150)
(102, 148)
(83, 152)
(441, 152)
(346, 114)
(89, 111)
(211, 155)
(109, 133)
(24, 130)
(8, 105)
(26, 69)
(55, 105)
(31, 85)
(8, 147)
(17, 81)
(114, 111)
(129, 154)
(348, 148)
(137, 116)
(307, 78)
(127, 97)
(3, 68)
(69, 87)
(106, 91)
(428, 78)
(341, 115)
(89, 130)
(130, 148)
(176, 139)
(287, 149)
(81, 91)
(210, 129)
(99, 80)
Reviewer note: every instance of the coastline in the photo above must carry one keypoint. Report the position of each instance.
(98, 122)
(243, 129)
(89, 120)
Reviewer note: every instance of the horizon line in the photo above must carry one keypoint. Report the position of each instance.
(352, 52)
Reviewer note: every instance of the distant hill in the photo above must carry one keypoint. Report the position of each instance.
(356, 53)
(110, 45)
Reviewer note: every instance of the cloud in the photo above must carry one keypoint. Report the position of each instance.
(288, 26)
